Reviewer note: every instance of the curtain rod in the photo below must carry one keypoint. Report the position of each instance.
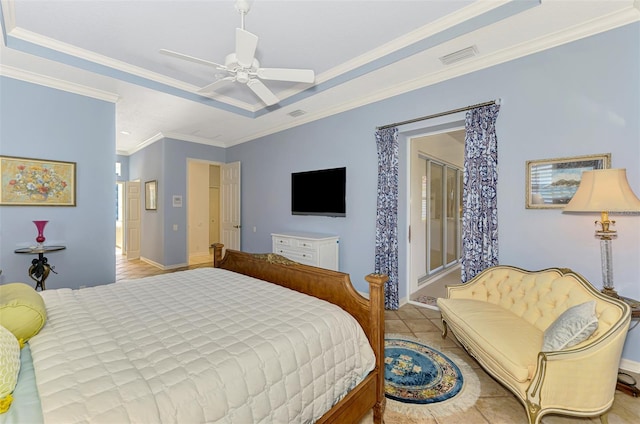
(437, 115)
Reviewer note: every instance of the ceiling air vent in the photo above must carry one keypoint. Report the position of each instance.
(459, 55)
(296, 113)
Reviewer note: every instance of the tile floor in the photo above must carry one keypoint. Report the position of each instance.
(496, 405)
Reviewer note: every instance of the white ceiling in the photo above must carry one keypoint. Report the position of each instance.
(361, 51)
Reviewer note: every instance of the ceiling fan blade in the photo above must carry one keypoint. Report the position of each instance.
(216, 84)
(263, 92)
(246, 44)
(191, 58)
(280, 74)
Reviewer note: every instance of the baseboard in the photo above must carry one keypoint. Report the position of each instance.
(162, 267)
(175, 266)
(424, 305)
(629, 365)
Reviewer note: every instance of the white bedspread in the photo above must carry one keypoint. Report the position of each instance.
(205, 345)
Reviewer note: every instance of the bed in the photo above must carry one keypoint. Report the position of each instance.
(234, 343)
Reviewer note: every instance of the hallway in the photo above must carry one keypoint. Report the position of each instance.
(136, 268)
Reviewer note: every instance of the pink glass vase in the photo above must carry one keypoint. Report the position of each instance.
(40, 226)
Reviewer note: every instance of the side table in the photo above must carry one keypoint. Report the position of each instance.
(40, 267)
(626, 383)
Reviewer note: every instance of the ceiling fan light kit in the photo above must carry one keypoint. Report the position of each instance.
(242, 66)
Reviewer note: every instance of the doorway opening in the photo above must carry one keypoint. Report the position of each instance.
(435, 209)
(203, 217)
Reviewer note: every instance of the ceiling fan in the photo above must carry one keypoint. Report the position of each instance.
(242, 66)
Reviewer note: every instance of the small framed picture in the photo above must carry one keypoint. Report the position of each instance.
(37, 182)
(551, 183)
(151, 195)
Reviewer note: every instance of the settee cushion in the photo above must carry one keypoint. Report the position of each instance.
(509, 343)
(573, 326)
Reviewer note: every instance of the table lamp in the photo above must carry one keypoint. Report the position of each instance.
(605, 191)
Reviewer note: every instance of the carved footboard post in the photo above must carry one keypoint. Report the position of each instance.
(376, 297)
(217, 254)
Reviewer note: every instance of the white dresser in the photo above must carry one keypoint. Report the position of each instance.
(315, 249)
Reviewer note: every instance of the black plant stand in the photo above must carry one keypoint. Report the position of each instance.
(40, 268)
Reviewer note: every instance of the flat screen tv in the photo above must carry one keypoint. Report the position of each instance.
(321, 192)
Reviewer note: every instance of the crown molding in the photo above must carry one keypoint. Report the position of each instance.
(459, 17)
(68, 49)
(193, 139)
(9, 14)
(593, 27)
(116, 65)
(149, 141)
(474, 10)
(176, 136)
(47, 81)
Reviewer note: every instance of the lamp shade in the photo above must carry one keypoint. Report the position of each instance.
(604, 190)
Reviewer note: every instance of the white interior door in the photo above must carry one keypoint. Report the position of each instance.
(230, 205)
(132, 213)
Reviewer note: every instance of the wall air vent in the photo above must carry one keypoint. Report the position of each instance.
(296, 113)
(459, 55)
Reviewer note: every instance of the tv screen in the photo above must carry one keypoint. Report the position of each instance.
(321, 192)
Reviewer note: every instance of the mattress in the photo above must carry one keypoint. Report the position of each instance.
(205, 345)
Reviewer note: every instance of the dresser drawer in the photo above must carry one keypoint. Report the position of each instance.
(305, 244)
(307, 258)
(294, 243)
(282, 241)
(308, 248)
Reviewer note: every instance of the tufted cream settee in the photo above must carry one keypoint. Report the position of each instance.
(500, 318)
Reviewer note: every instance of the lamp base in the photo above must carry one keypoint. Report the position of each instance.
(610, 291)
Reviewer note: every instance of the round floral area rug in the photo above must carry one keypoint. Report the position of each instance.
(422, 381)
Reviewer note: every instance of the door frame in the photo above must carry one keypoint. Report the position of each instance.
(406, 134)
(187, 203)
(123, 217)
(127, 209)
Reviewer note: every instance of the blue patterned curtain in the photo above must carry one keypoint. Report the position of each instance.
(480, 202)
(387, 216)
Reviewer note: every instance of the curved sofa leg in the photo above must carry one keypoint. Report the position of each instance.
(533, 412)
(444, 329)
(604, 418)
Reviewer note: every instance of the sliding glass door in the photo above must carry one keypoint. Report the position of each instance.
(441, 207)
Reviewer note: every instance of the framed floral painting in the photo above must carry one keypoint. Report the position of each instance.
(36, 182)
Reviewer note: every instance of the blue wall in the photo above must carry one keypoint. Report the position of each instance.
(44, 123)
(147, 165)
(577, 99)
(166, 162)
(124, 168)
